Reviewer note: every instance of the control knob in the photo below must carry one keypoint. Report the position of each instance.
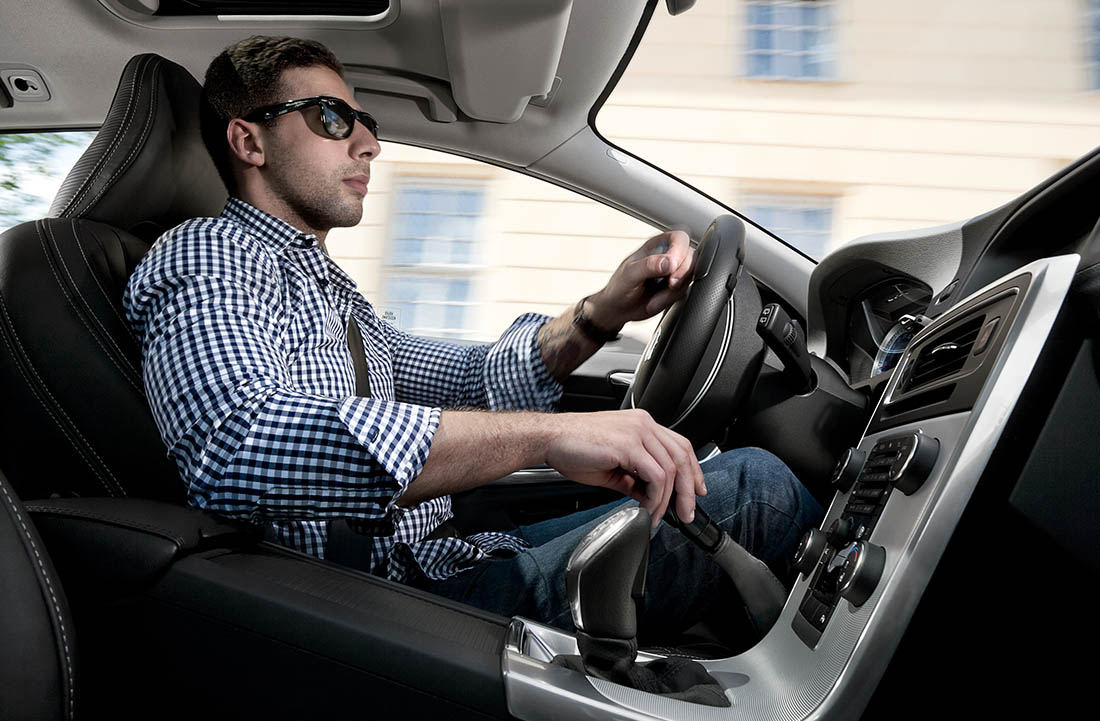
(842, 531)
(916, 456)
(847, 470)
(861, 571)
(809, 551)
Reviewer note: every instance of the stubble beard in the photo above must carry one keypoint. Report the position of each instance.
(320, 200)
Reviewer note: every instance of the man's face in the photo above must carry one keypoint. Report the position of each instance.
(320, 180)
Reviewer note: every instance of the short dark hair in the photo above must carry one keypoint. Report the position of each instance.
(248, 75)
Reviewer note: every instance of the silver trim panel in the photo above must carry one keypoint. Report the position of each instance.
(530, 475)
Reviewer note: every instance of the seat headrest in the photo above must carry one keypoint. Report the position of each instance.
(147, 170)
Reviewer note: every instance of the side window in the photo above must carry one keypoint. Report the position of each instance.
(453, 248)
(32, 167)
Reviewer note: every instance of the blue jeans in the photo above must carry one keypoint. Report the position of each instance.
(751, 494)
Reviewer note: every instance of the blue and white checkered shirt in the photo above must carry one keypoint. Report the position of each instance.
(242, 321)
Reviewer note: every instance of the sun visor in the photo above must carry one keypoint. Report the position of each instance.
(501, 55)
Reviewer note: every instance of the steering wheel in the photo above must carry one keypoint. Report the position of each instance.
(704, 356)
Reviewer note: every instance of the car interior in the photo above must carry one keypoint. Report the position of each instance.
(952, 573)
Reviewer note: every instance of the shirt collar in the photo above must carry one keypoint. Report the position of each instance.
(275, 232)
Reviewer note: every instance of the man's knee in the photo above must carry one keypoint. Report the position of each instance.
(752, 474)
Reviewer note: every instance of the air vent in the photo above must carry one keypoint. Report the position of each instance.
(943, 356)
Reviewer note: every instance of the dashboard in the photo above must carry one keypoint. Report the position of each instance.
(883, 320)
(860, 294)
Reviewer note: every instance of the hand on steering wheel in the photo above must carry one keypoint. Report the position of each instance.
(704, 357)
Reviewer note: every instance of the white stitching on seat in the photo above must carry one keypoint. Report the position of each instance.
(128, 117)
(88, 263)
(18, 352)
(92, 331)
(138, 146)
(33, 388)
(121, 521)
(60, 622)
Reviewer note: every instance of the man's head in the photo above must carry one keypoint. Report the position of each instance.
(289, 162)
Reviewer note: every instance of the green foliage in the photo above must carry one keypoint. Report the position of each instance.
(26, 161)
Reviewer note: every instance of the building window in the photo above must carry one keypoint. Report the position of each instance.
(804, 221)
(1092, 30)
(433, 263)
(790, 40)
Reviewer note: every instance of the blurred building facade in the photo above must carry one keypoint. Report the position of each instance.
(823, 120)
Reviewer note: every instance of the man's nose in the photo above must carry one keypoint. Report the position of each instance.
(363, 142)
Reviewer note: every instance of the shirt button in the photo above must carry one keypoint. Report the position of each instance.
(372, 434)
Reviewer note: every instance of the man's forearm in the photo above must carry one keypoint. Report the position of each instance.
(472, 448)
(564, 346)
(625, 451)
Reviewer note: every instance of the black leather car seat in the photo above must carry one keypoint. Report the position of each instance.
(37, 647)
(73, 415)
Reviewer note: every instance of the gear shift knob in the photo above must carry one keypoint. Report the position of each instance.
(606, 572)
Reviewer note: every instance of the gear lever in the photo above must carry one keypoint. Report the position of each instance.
(761, 592)
(603, 578)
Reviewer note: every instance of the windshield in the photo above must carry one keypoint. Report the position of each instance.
(827, 120)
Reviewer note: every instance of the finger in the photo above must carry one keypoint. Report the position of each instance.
(657, 449)
(664, 298)
(693, 463)
(683, 271)
(637, 271)
(699, 478)
(627, 484)
(687, 475)
(660, 243)
(658, 265)
(678, 240)
(651, 479)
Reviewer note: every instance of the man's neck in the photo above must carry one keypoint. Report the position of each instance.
(278, 208)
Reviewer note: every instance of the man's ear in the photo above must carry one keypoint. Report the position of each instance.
(245, 142)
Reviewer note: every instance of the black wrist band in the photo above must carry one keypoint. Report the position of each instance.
(588, 329)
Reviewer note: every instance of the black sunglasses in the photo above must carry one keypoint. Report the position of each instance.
(337, 117)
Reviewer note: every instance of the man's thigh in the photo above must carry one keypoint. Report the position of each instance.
(751, 494)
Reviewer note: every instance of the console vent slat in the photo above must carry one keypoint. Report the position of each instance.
(944, 356)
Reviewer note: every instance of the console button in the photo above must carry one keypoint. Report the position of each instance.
(985, 335)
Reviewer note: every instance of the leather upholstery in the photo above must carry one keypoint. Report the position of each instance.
(37, 663)
(107, 549)
(73, 414)
(146, 170)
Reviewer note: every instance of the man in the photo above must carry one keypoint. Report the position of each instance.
(245, 327)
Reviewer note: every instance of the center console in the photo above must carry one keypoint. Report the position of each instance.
(899, 496)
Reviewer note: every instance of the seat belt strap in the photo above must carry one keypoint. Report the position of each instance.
(358, 358)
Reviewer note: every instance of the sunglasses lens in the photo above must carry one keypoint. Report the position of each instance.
(336, 123)
(370, 123)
